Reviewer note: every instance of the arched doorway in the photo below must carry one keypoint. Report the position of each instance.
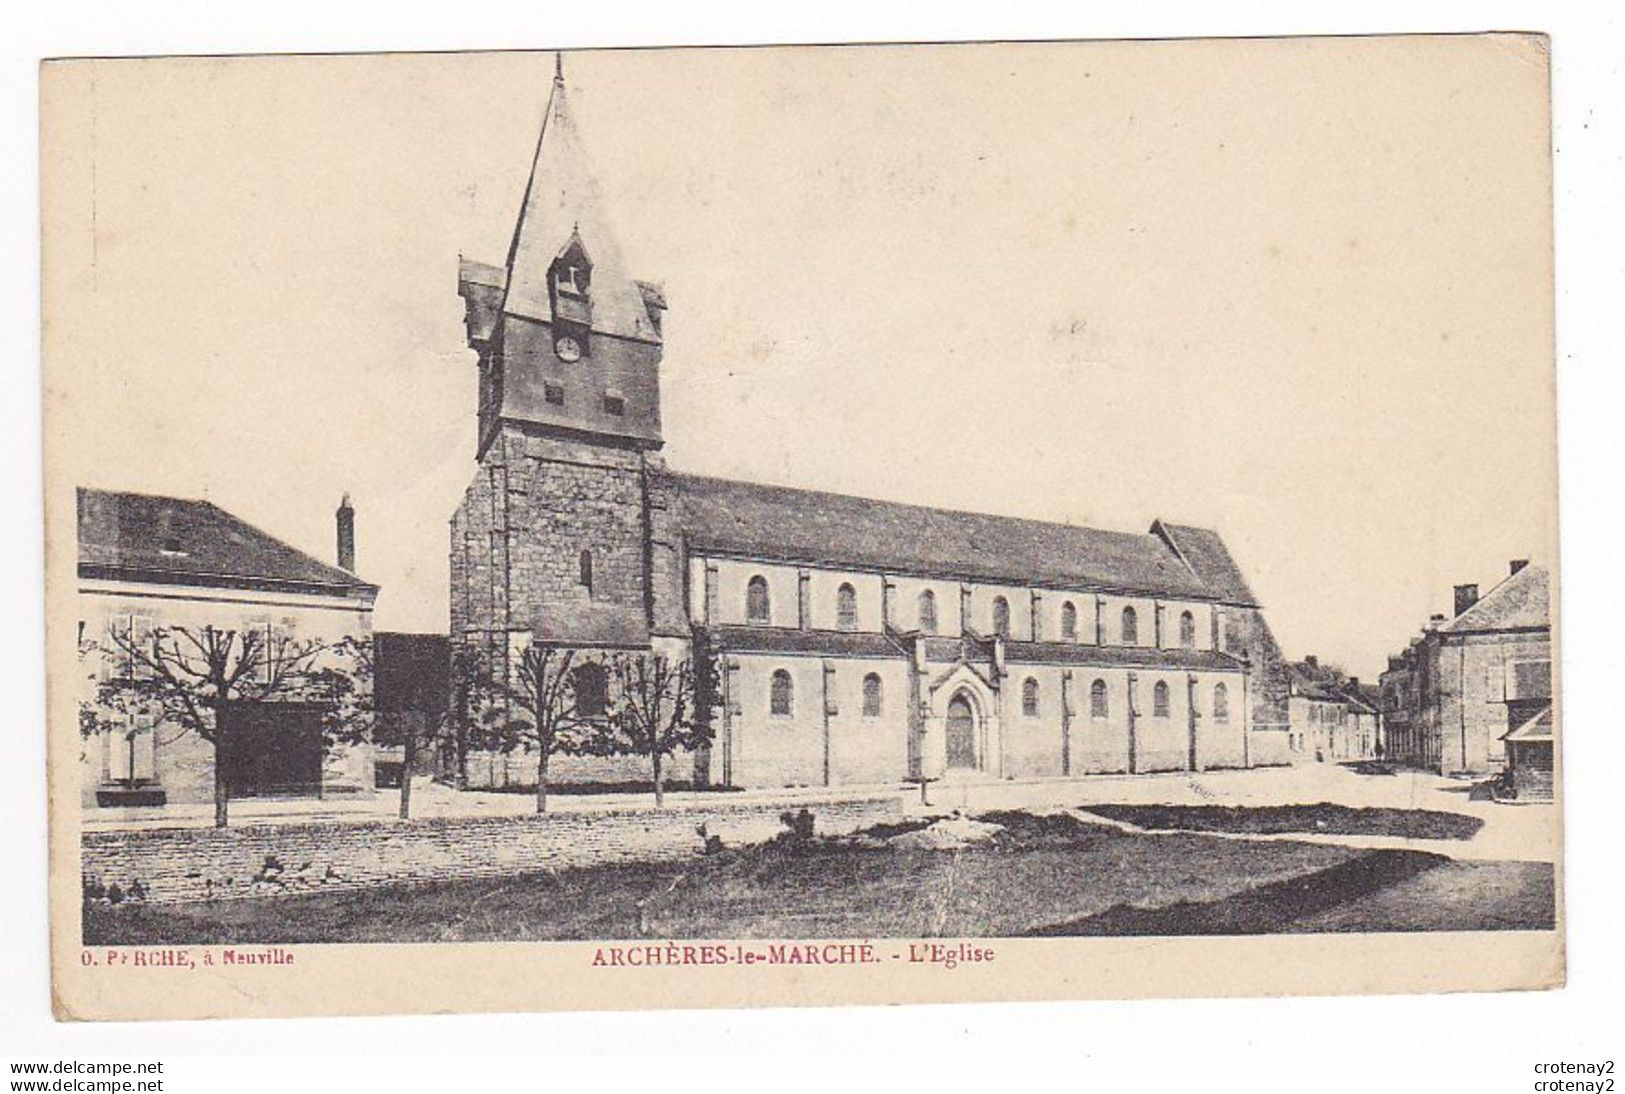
(961, 732)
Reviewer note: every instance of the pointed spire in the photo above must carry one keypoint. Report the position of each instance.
(562, 201)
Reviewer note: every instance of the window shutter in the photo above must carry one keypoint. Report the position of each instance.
(143, 750)
(141, 639)
(1531, 680)
(107, 656)
(118, 752)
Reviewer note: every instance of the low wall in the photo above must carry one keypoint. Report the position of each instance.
(502, 771)
(179, 864)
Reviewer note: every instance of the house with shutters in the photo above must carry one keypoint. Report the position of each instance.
(1331, 717)
(150, 565)
(856, 640)
(1471, 681)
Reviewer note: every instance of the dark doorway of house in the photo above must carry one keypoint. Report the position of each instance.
(961, 733)
(272, 749)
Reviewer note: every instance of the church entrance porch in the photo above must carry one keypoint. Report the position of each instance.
(961, 734)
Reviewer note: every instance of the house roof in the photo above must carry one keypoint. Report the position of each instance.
(562, 201)
(1366, 697)
(1205, 553)
(792, 525)
(1535, 728)
(1520, 601)
(1316, 681)
(183, 541)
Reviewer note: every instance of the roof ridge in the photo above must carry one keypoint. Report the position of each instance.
(1499, 587)
(251, 526)
(241, 550)
(979, 513)
(144, 494)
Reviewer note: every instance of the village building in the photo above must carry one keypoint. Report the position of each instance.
(1473, 681)
(1529, 757)
(149, 565)
(1402, 740)
(1331, 717)
(856, 640)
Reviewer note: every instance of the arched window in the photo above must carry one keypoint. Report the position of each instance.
(1001, 617)
(1159, 700)
(584, 573)
(1097, 700)
(1069, 621)
(1131, 628)
(846, 607)
(1029, 698)
(928, 612)
(871, 695)
(782, 697)
(758, 609)
(1187, 630)
(592, 690)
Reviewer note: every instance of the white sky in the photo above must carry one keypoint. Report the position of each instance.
(1295, 290)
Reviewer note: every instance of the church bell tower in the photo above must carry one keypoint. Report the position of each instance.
(566, 339)
(565, 535)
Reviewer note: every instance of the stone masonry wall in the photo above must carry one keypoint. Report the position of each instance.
(1245, 631)
(182, 864)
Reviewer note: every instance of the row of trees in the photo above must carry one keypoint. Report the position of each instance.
(546, 702)
(559, 702)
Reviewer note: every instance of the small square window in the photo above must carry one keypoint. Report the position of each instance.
(614, 404)
(553, 392)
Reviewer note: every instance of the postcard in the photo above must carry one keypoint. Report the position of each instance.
(801, 525)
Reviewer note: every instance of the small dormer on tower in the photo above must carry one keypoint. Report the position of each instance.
(567, 341)
(570, 287)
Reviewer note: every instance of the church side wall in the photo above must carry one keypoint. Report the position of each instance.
(732, 577)
(1244, 631)
(771, 750)
(1034, 744)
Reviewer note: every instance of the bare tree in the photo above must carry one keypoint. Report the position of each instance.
(191, 676)
(540, 706)
(658, 710)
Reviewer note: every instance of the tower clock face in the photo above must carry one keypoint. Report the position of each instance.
(568, 349)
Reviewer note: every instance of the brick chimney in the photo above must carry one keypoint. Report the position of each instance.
(1466, 597)
(1515, 565)
(1435, 621)
(1311, 660)
(345, 519)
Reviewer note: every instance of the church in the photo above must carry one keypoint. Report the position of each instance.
(858, 641)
